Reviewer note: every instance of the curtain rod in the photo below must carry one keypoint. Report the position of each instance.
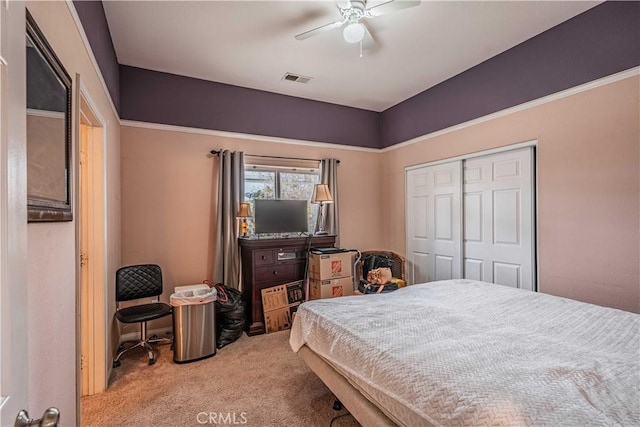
(216, 152)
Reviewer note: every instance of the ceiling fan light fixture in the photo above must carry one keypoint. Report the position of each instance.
(354, 32)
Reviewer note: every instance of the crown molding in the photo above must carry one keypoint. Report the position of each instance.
(527, 105)
(248, 136)
(511, 110)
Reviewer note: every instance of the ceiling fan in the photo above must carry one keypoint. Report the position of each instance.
(354, 13)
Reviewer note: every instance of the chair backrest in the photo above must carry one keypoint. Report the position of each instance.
(138, 281)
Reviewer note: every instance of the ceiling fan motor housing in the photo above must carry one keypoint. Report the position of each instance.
(355, 12)
(354, 31)
(352, 15)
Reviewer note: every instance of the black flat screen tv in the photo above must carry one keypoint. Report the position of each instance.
(280, 216)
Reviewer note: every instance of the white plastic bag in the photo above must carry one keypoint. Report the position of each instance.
(191, 297)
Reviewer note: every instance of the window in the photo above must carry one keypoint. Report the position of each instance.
(281, 182)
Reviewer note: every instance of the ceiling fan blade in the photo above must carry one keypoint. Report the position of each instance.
(368, 37)
(319, 30)
(369, 43)
(390, 7)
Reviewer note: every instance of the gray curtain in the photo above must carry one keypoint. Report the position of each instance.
(226, 268)
(329, 176)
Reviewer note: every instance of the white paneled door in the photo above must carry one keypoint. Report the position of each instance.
(14, 305)
(473, 218)
(498, 219)
(434, 225)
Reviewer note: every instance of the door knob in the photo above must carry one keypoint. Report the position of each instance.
(50, 418)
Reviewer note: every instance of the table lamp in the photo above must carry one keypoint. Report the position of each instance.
(243, 213)
(321, 195)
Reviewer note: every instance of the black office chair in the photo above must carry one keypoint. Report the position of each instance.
(135, 282)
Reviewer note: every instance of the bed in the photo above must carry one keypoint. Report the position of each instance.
(462, 352)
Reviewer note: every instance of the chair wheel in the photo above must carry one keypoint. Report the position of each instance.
(120, 348)
(337, 405)
(152, 361)
(116, 363)
(153, 337)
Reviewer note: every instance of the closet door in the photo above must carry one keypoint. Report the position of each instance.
(434, 223)
(498, 219)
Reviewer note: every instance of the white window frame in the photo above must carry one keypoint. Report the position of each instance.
(279, 166)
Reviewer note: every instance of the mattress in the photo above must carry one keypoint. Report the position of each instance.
(462, 352)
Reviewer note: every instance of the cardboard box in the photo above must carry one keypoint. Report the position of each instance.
(330, 288)
(330, 266)
(279, 319)
(280, 303)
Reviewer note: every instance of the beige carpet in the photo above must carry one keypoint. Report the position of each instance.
(259, 379)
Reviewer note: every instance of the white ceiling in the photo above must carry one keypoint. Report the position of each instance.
(251, 43)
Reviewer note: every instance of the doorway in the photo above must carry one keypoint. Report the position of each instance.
(92, 242)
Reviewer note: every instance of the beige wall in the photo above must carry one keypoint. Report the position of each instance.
(588, 192)
(168, 203)
(51, 270)
(588, 180)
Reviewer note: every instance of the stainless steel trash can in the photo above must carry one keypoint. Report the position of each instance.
(194, 326)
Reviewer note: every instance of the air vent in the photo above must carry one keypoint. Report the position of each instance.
(296, 78)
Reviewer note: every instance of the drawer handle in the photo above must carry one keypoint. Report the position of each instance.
(275, 272)
(264, 257)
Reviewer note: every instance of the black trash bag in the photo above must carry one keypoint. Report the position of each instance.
(230, 318)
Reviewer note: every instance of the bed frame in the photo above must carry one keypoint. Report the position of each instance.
(362, 409)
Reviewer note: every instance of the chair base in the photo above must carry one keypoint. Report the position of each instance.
(145, 342)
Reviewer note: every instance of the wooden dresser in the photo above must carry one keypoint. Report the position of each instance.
(271, 262)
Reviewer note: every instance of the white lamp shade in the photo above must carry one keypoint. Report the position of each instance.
(353, 33)
(321, 194)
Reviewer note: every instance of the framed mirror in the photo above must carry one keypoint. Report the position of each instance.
(48, 131)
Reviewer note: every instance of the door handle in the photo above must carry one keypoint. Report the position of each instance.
(50, 418)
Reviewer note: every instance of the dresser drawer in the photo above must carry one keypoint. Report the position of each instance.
(271, 262)
(276, 273)
(264, 257)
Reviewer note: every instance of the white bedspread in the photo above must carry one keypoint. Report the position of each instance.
(462, 352)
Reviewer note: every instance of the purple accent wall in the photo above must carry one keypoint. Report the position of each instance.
(599, 42)
(152, 96)
(94, 22)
